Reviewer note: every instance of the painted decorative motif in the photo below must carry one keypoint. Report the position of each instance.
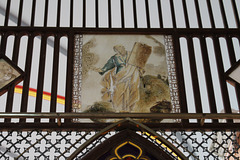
(124, 73)
(9, 74)
(128, 151)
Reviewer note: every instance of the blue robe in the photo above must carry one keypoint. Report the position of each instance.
(117, 61)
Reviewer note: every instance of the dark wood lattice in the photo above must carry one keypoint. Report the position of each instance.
(202, 36)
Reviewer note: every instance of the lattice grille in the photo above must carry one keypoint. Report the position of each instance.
(61, 144)
(94, 144)
(41, 144)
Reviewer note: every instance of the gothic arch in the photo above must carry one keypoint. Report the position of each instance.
(127, 136)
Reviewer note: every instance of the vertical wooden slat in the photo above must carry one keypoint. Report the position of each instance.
(135, 13)
(41, 71)
(3, 47)
(69, 80)
(173, 14)
(71, 13)
(147, 14)
(109, 14)
(197, 96)
(185, 14)
(14, 60)
(238, 96)
(223, 14)
(96, 14)
(211, 14)
(33, 13)
(20, 13)
(160, 13)
(9, 104)
(235, 13)
(233, 60)
(26, 82)
(198, 14)
(46, 13)
(7, 13)
(122, 14)
(3, 43)
(180, 77)
(16, 48)
(238, 88)
(230, 48)
(84, 13)
(59, 13)
(208, 77)
(224, 91)
(193, 69)
(55, 76)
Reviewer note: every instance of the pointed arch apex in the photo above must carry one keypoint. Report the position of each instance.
(138, 126)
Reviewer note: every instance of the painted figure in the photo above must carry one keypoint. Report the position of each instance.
(121, 81)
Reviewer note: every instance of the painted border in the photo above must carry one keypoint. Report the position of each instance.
(171, 65)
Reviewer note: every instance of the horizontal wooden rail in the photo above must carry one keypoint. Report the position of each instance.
(78, 30)
(124, 115)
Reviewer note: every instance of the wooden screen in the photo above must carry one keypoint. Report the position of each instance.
(38, 36)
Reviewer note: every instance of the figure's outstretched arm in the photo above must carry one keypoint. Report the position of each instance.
(96, 69)
(108, 66)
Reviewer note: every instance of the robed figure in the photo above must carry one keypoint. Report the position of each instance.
(121, 76)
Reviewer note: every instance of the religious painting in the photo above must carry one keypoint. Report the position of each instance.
(9, 74)
(122, 74)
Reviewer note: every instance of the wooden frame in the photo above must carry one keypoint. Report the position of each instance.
(161, 52)
(15, 72)
(230, 79)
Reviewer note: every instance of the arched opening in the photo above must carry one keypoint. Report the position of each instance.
(127, 144)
